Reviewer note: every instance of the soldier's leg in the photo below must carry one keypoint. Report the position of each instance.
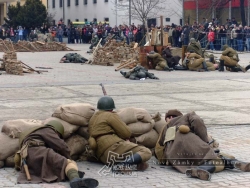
(232, 163)
(211, 66)
(164, 66)
(72, 173)
(197, 64)
(204, 171)
(228, 61)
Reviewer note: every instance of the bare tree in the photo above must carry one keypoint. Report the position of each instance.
(142, 9)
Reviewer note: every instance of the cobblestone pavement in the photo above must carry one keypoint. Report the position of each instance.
(222, 99)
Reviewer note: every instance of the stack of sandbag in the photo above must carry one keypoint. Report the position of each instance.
(9, 138)
(75, 119)
(141, 125)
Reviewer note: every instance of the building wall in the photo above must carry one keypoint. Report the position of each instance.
(102, 10)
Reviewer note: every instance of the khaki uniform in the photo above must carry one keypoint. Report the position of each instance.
(230, 57)
(196, 47)
(110, 133)
(159, 63)
(195, 63)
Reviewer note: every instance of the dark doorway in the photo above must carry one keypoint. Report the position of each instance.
(151, 21)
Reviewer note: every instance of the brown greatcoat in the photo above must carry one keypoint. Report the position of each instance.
(230, 57)
(191, 148)
(46, 163)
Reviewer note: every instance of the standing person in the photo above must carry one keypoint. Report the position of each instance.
(20, 33)
(60, 34)
(77, 35)
(240, 36)
(210, 38)
(247, 33)
(223, 35)
(12, 34)
(48, 157)
(110, 134)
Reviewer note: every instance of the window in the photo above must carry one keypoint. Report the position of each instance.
(167, 19)
(77, 2)
(77, 20)
(106, 1)
(85, 20)
(68, 3)
(53, 22)
(85, 2)
(94, 20)
(61, 3)
(53, 3)
(106, 19)
(69, 21)
(94, 1)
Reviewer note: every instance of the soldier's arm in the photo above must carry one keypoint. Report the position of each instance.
(225, 52)
(194, 55)
(53, 141)
(120, 128)
(197, 126)
(153, 55)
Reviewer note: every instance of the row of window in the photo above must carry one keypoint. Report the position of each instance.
(94, 19)
(85, 2)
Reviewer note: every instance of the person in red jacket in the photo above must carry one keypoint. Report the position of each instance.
(211, 37)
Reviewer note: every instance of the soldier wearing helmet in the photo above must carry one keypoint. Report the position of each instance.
(195, 46)
(43, 149)
(112, 135)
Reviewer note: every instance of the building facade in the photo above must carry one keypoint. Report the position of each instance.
(196, 10)
(4, 7)
(106, 11)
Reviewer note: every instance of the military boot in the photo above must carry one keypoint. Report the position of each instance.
(241, 68)
(204, 65)
(201, 172)
(221, 65)
(211, 59)
(86, 182)
(235, 164)
(123, 73)
(247, 67)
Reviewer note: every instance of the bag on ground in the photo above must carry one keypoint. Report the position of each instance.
(76, 113)
(13, 128)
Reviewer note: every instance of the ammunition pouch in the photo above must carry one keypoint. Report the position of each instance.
(18, 161)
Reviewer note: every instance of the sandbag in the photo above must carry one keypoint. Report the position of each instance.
(140, 128)
(13, 128)
(76, 113)
(148, 139)
(159, 125)
(84, 132)
(69, 129)
(8, 147)
(9, 162)
(132, 115)
(76, 144)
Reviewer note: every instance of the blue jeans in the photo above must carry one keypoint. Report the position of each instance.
(60, 38)
(240, 45)
(186, 41)
(248, 44)
(20, 37)
(235, 44)
(223, 41)
(211, 45)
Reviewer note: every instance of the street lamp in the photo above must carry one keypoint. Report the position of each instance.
(129, 4)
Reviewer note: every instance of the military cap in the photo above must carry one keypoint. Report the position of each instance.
(225, 47)
(192, 40)
(173, 112)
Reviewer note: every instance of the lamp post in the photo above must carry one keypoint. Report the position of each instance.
(183, 13)
(230, 10)
(129, 4)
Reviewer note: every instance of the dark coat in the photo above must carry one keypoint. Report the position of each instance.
(46, 163)
(171, 60)
(192, 147)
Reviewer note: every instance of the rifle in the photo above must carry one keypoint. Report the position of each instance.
(205, 49)
(26, 169)
(103, 89)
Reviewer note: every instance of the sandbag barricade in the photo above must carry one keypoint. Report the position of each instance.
(76, 144)
(76, 113)
(8, 146)
(13, 128)
(141, 125)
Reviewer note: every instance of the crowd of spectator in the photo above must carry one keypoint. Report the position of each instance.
(211, 34)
